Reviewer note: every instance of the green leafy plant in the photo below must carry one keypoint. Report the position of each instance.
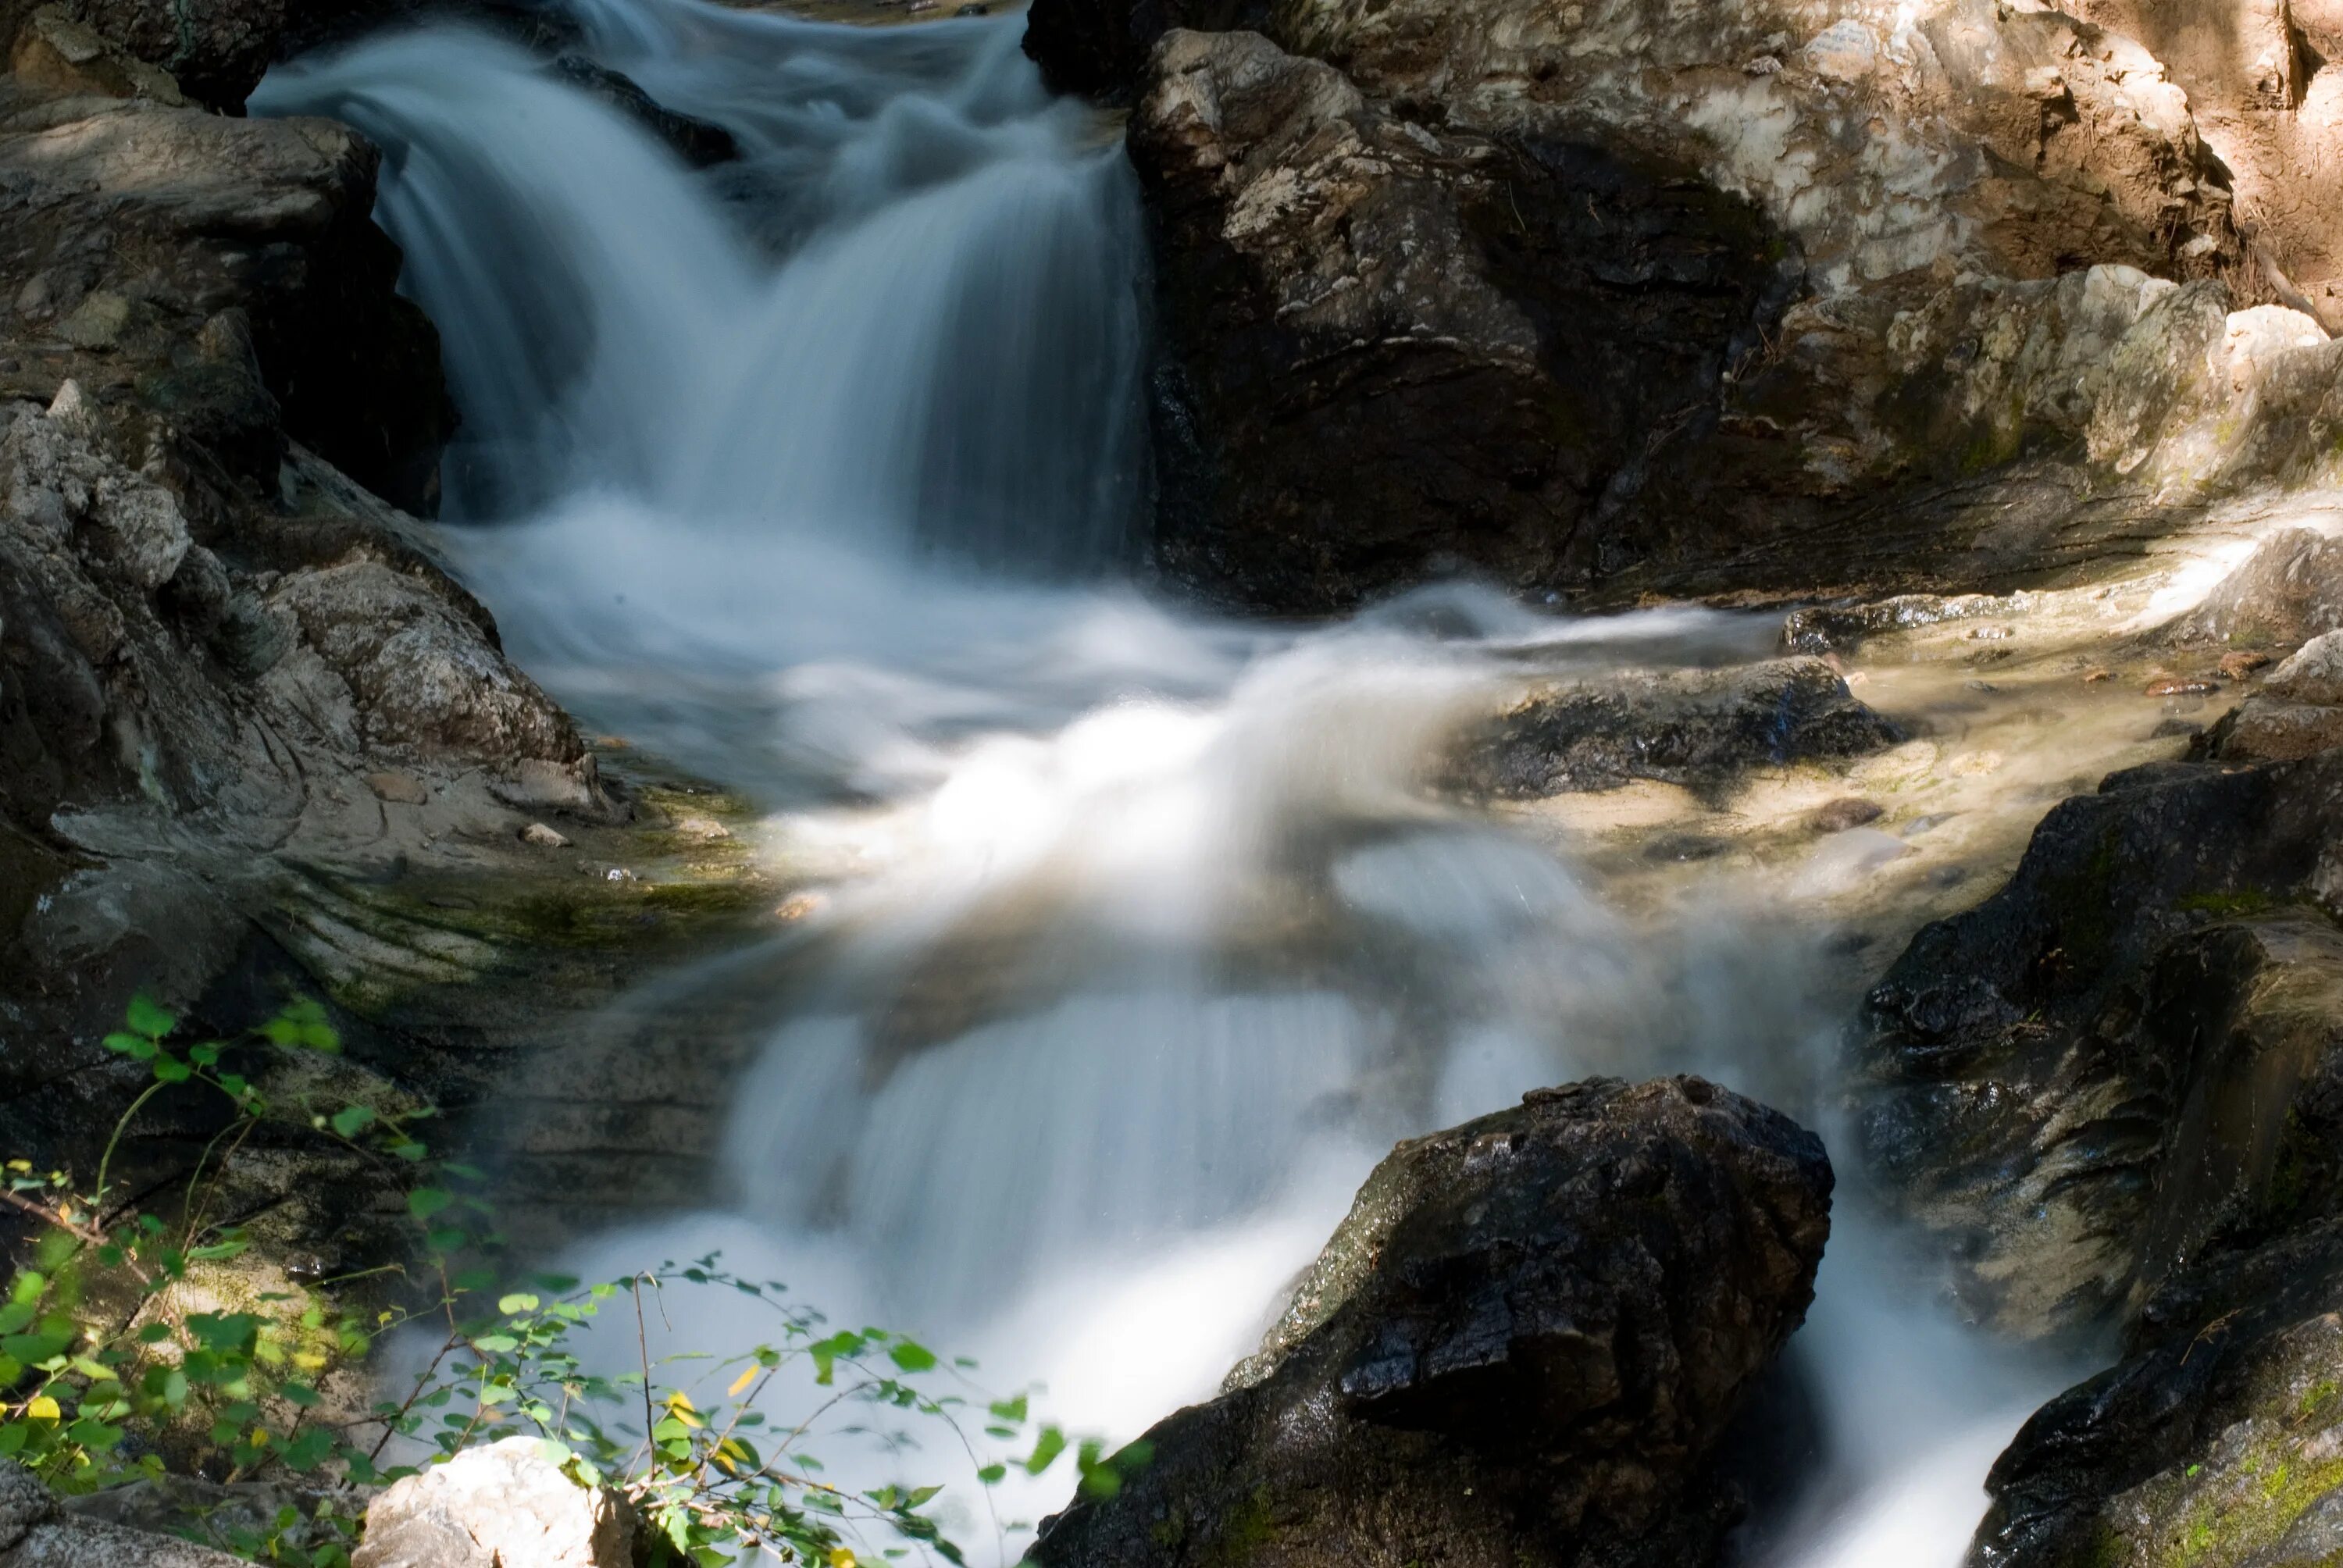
(113, 1354)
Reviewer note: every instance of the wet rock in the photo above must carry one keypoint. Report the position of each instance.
(1838, 816)
(543, 837)
(2290, 591)
(2215, 1441)
(501, 1506)
(2239, 665)
(700, 142)
(1698, 727)
(2182, 686)
(2085, 1078)
(1519, 1349)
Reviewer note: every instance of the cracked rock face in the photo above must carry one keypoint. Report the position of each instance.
(1518, 1349)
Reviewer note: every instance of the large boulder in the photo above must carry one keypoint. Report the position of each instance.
(1488, 331)
(2123, 1051)
(1521, 1348)
(2020, 141)
(214, 284)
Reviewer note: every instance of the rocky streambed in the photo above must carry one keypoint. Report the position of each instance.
(1967, 366)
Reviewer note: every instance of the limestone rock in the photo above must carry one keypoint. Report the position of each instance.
(502, 1506)
(1518, 1349)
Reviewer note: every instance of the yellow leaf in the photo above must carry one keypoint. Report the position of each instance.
(839, 1557)
(308, 1360)
(23, 1165)
(43, 1408)
(259, 1436)
(747, 1375)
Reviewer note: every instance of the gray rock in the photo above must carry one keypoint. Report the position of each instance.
(215, 51)
(1518, 1349)
(2312, 674)
(35, 1532)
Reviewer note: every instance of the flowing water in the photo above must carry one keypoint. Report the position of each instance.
(819, 473)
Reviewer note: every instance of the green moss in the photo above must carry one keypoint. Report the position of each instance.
(1245, 1532)
(2230, 904)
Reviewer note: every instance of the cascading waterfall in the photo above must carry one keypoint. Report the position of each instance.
(816, 471)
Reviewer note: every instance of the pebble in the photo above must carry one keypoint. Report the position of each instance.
(2183, 686)
(704, 828)
(2093, 674)
(1989, 633)
(1850, 811)
(400, 789)
(2237, 666)
(543, 837)
(798, 906)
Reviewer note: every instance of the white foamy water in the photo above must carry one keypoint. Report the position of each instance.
(821, 472)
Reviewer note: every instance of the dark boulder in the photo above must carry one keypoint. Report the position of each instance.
(1390, 347)
(1700, 727)
(699, 142)
(1521, 1348)
(2100, 1066)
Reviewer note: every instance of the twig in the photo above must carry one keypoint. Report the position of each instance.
(643, 1346)
(43, 1212)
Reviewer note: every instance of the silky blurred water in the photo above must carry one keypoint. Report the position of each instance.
(821, 472)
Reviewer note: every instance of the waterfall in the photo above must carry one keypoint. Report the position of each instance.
(818, 472)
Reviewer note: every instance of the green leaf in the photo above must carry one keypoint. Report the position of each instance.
(911, 1356)
(1052, 1443)
(145, 1018)
(425, 1201)
(352, 1119)
(171, 1070)
(992, 1474)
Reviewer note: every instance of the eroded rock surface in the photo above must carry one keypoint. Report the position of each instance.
(1518, 1349)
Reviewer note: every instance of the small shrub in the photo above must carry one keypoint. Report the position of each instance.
(104, 1362)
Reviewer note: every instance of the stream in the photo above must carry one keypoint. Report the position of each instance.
(819, 473)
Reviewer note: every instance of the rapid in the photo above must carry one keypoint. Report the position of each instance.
(821, 473)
